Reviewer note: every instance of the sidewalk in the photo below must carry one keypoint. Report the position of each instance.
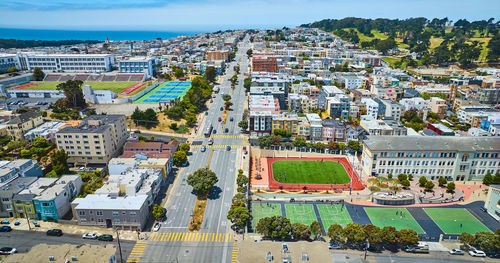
(72, 229)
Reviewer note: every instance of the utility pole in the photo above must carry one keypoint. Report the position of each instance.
(119, 245)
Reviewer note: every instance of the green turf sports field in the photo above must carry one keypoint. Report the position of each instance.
(310, 172)
(387, 217)
(450, 219)
(260, 211)
(116, 87)
(300, 213)
(333, 214)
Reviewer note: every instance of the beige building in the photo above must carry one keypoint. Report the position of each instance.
(18, 125)
(438, 106)
(95, 140)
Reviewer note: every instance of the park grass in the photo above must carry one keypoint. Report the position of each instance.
(310, 172)
(382, 217)
(300, 213)
(450, 219)
(435, 42)
(333, 214)
(116, 87)
(260, 211)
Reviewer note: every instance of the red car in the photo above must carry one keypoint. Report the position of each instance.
(220, 119)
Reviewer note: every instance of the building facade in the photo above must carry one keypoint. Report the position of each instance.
(18, 125)
(138, 65)
(264, 64)
(68, 62)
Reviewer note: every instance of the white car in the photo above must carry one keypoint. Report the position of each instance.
(7, 251)
(157, 227)
(477, 253)
(89, 236)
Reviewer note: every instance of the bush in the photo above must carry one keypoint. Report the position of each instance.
(241, 189)
(374, 188)
(384, 185)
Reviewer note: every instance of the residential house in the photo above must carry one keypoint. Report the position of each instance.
(334, 130)
(19, 124)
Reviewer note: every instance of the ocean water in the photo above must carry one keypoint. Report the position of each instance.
(45, 34)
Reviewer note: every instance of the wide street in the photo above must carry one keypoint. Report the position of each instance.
(25, 240)
(213, 243)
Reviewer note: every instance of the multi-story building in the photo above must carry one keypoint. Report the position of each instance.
(438, 106)
(416, 103)
(213, 55)
(264, 64)
(18, 125)
(7, 192)
(392, 109)
(440, 129)
(371, 107)
(68, 62)
(303, 128)
(455, 158)
(22, 202)
(138, 65)
(46, 130)
(95, 140)
(285, 121)
(338, 106)
(316, 127)
(360, 94)
(54, 202)
(9, 170)
(492, 201)
(490, 95)
(351, 82)
(279, 92)
(386, 126)
(260, 123)
(8, 61)
(334, 130)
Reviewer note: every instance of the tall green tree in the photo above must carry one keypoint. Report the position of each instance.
(335, 233)
(315, 229)
(202, 181)
(275, 227)
(59, 161)
(300, 231)
(354, 234)
(157, 211)
(73, 92)
(178, 73)
(38, 74)
(184, 147)
(389, 235)
(239, 216)
(408, 236)
(179, 158)
(210, 74)
(373, 233)
(243, 124)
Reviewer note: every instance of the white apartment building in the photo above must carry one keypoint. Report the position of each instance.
(68, 62)
(95, 140)
(8, 61)
(392, 109)
(455, 158)
(416, 103)
(371, 107)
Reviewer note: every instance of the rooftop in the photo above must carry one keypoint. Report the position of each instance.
(432, 143)
(24, 117)
(108, 203)
(93, 124)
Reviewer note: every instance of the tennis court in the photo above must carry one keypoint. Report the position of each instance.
(167, 91)
(260, 211)
(333, 214)
(399, 218)
(455, 220)
(300, 213)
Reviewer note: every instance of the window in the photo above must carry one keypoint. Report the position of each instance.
(46, 204)
(124, 212)
(100, 220)
(20, 208)
(133, 213)
(28, 209)
(99, 213)
(115, 213)
(83, 219)
(116, 220)
(4, 199)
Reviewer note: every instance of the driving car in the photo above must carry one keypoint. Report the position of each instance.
(231, 119)
(214, 131)
(477, 253)
(334, 245)
(456, 252)
(221, 108)
(157, 227)
(7, 251)
(220, 119)
(105, 238)
(5, 222)
(203, 148)
(211, 141)
(54, 232)
(5, 229)
(226, 130)
(228, 148)
(89, 236)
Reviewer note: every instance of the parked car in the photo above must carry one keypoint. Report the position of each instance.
(105, 238)
(226, 130)
(231, 118)
(203, 148)
(54, 232)
(5, 229)
(157, 227)
(334, 245)
(17, 223)
(456, 252)
(220, 119)
(221, 108)
(214, 131)
(211, 141)
(89, 236)
(7, 251)
(228, 148)
(477, 253)
(5, 222)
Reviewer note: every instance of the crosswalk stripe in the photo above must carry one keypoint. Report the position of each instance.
(185, 237)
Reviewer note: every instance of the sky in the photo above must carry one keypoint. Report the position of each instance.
(200, 15)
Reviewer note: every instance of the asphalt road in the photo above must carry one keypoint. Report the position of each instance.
(222, 162)
(23, 241)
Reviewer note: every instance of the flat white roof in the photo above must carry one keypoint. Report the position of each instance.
(92, 202)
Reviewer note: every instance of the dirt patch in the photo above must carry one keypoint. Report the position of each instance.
(198, 212)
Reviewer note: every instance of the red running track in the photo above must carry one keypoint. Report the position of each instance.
(25, 86)
(357, 185)
(133, 88)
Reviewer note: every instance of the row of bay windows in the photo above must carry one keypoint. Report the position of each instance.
(115, 213)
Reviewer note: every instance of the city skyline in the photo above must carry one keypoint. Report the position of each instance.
(221, 15)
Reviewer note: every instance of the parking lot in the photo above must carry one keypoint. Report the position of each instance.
(16, 103)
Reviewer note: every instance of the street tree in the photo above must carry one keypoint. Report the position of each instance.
(38, 74)
(247, 83)
(239, 216)
(265, 141)
(332, 145)
(342, 146)
(408, 236)
(299, 142)
(354, 234)
(242, 180)
(226, 97)
(467, 239)
(300, 231)
(389, 235)
(373, 233)
(239, 197)
(184, 147)
(275, 227)
(335, 233)
(157, 211)
(422, 181)
(72, 90)
(202, 181)
(179, 73)
(405, 183)
(12, 70)
(442, 181)
(402, 177)
(429, 185)
(354, 145)
(243, 124)
(319, 146)
(179, 158)
(210, 74)
(276, 139)
(315, 229)
(450, 187)
(487, 241)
